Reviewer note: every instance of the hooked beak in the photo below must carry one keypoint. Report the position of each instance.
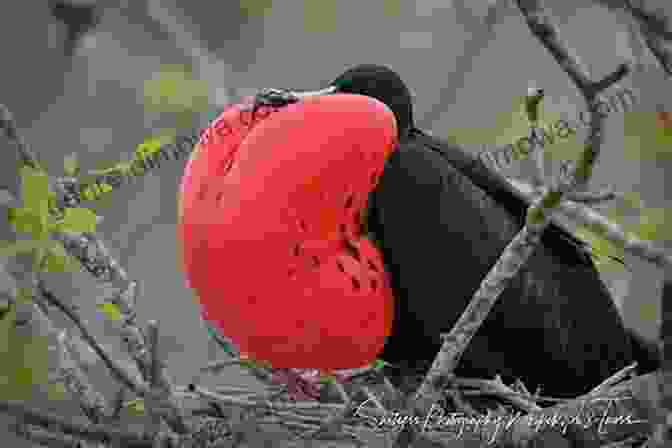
(309, 93)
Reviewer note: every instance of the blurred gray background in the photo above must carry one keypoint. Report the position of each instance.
(462, 72)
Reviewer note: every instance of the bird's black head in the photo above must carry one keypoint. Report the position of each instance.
(383, 84)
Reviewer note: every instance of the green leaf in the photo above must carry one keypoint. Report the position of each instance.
(33, 216)
(151, 147)
(34, 189)
(532, 106)
(111, 310)
(23, 361)
(646, 136)
(71, 165)
(602, 249)
(120, 168)
(78, 220)
(57, 260)
(655, 224)
(379, 364)
(136, 407)
(57, 392)
(326, 378)
(14, 248)
(25, 220)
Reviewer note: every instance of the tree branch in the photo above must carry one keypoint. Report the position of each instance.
(88, 431)
(601, 225)
(127, 378)
(657, 32)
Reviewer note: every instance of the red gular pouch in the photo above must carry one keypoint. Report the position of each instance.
(273, 244)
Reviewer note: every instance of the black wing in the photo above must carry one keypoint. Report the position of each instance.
(559, 240)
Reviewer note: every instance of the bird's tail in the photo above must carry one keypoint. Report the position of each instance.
(645, 351)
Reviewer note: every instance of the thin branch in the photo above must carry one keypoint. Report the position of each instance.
(156, 364)
(87, 431)
(8, 126)
(153, 373)
(607, 229)
(31, 318)
(334, 423)
(118, 404)
(588, 197)
(537, 156)
(657, 32)
(127, 378)
(41, 436)
(92, 403)
(499, 389)
(623, 374)
(96, 259)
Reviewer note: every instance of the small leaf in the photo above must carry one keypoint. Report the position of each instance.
(633, 199)
(71, 165)
(120, 168)
(5, 307)
(151, 147)
(25, 221)
(56, 391)
(655, 224)
(111, 310)
(35, 192)
(23, 361)
(326, 378)
(532, 105)
(79, 220)
(379, 364)
(646, 136)
(14, 248)
(602, 250)
(136, 407)
(57, 260)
